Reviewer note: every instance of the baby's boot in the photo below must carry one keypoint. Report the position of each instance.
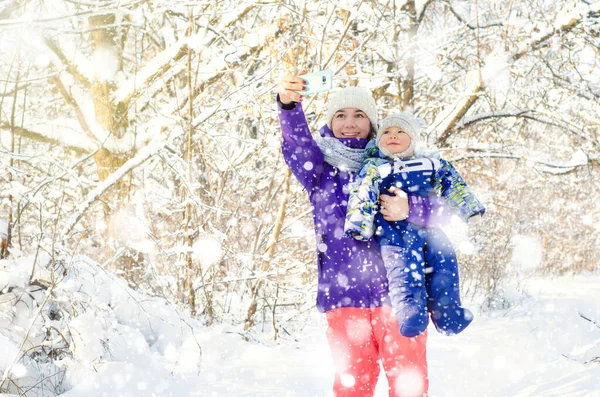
(443, 290)
(447, 314)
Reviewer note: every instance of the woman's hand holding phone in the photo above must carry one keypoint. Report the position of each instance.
(289, 89)
(316, 82)
(295, 88)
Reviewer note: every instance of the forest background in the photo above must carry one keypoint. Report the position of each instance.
(144, 134)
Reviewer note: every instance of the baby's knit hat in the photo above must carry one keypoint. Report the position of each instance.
(408, 123)
(352, 97)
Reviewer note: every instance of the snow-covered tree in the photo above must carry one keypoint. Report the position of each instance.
(145, 133)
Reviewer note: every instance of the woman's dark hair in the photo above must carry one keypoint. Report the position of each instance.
(372, 133)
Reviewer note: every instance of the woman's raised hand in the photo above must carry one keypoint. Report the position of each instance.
(287, 88)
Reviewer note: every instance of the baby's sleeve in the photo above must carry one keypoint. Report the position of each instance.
(363, 202)
(449, 185)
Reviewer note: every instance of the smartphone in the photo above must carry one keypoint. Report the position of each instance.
(316, 82)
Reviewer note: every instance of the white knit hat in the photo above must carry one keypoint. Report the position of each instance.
(352, 97)
(408, 123)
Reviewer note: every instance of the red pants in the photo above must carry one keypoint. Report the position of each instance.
(359, 338)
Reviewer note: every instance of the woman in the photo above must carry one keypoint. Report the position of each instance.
(353, 289)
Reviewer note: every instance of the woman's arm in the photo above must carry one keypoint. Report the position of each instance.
(299, 148)
(418, 210)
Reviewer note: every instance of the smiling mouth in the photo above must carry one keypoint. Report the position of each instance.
(350, 134)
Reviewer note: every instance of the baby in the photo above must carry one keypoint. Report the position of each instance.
(421, 264)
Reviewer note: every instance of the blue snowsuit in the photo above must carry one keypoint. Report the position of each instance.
(421, 263)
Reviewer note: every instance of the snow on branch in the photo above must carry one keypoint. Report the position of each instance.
(130, 165)
(421, 9)
(578, 159)
(154, 69)
(7, 8)
(447, 120)
(27, 20)
(530, 114)
(162, 62)
(50, 136)
(492, 115)
(71, 68)
(143, 155)
(69, 99)
(566, 19)
(233, 17)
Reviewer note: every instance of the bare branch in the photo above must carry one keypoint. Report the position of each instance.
(468, 24)
(341, 39)
(25, 82)
(96, 10)
(423, 10)
(588, 319)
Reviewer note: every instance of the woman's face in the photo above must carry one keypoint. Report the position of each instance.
(350, 123)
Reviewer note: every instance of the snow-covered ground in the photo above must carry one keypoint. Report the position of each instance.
(127, 344)
(541, 346)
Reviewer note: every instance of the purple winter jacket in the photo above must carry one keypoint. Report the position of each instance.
(351, 272)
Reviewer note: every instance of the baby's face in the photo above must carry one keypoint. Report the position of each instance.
(394, 140)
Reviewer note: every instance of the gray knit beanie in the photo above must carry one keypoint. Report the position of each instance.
(408, 123)
(352, 97)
